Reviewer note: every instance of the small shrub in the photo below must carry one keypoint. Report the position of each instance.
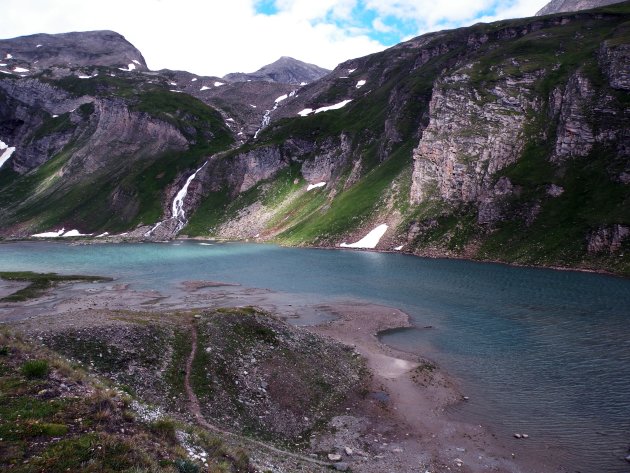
(4, 351)
(35, 369)
(186, 466)
(165, 429)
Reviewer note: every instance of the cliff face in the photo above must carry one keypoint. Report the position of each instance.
(502, 141)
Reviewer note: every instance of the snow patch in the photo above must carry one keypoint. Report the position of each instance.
(193, 79)
(174, 84)
(38, 46)
(8, 56)
(398, 248)
(218, 84)
(3, 65)
(137, 62)
(281, 98)
(350, 71)
(176, 91)
(303, 83)
(8, 151)
(19, 69)
(204, 88)
(86, 77)
(315, 186)
(6, 72)
(102, 235)
(75, 233)
(229, 119)
(252, 105)
(360, 84)
(370, 240)
(305, 112)
(55, 116)
(130, 67)
(52, 234)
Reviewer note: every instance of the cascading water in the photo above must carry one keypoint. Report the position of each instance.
(178, 213)
(267, 116)
(178, 201)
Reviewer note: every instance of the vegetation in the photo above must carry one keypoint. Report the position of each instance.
(73, 422)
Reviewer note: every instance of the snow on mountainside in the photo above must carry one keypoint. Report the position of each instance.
(90, 48)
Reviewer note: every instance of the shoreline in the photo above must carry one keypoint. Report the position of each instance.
(447, 257)
(418, 395)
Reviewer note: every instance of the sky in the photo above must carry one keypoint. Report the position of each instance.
(214, 37)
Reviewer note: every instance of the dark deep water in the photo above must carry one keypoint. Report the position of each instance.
(538, 351)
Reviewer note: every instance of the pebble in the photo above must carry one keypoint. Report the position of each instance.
(334, 457)
(517, 436)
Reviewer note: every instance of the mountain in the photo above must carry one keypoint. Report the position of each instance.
(505, 141)
(84, 49)
(285, 70)
(561, 6)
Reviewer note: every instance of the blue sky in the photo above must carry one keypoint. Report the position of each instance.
(215, 37)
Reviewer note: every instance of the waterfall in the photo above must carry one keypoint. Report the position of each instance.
(267, 116)
(178, 201)
(178, 213)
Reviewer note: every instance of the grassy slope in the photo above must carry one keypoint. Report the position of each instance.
(558, 235)
(55, 417)
(47, 200)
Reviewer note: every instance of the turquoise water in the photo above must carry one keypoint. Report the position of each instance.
(538, 351)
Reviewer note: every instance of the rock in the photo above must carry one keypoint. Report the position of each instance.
(466, 398)
(197, 316)
(517, 436)
(525, 436)
(334, 457)
(341, 466)
(348, 451)
(628, 458)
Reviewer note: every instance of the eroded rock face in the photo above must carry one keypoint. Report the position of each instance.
(575, 135)
(469, 138)
(607, 239)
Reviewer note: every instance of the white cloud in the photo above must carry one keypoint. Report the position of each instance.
(214, 38)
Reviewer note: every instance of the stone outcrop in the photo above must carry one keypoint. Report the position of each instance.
(470, 138)
(608, 239)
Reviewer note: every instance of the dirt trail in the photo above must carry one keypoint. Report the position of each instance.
(195, 409)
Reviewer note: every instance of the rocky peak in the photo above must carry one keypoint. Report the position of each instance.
(76, 49)
(285, 70)
(560, 6)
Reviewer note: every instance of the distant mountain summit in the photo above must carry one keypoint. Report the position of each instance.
(559, 6)
(76, 49)
(285, 70)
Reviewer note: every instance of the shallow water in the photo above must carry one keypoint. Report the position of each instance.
(538, 351)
